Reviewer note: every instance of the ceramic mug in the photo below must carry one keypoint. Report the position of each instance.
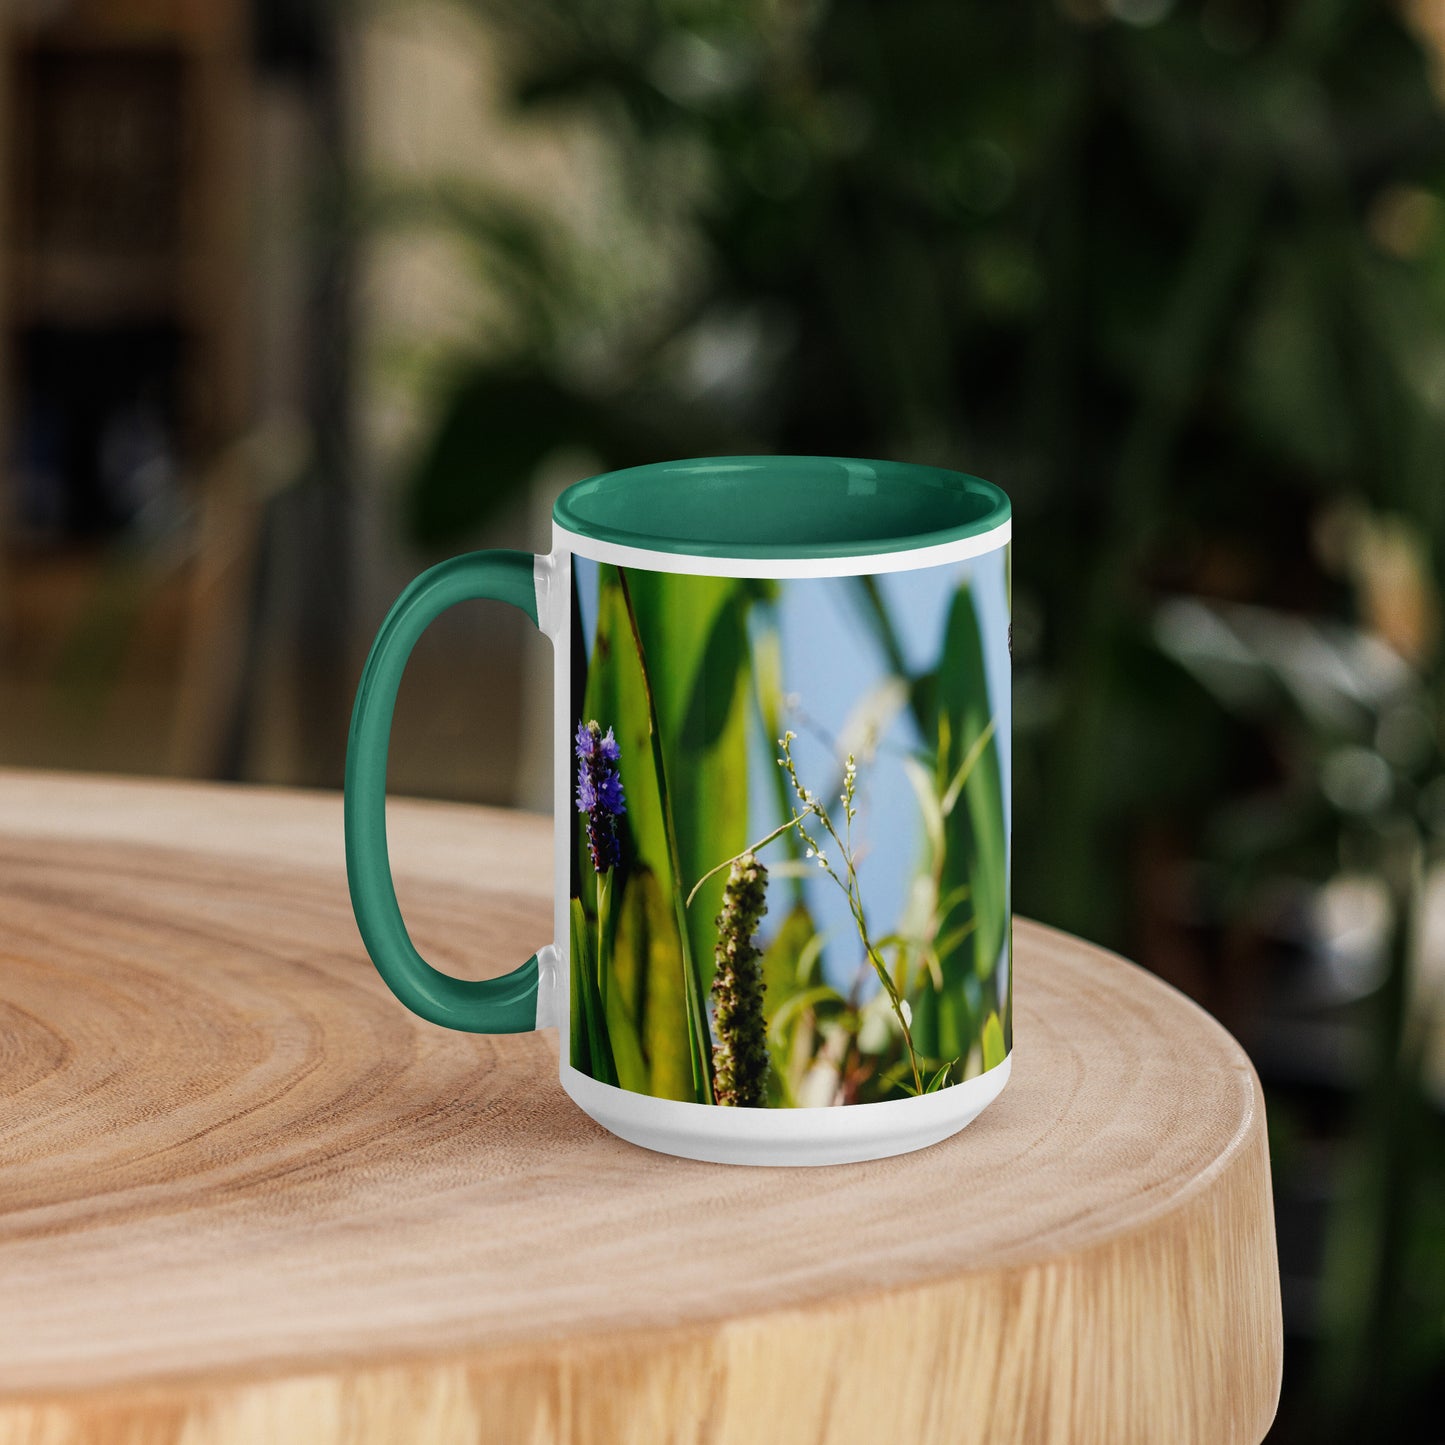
(782, 766)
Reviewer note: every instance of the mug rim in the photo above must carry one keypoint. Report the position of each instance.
(987, 507)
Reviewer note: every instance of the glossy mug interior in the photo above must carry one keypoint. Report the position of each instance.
(782, 768)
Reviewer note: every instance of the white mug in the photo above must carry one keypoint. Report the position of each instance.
(783, 829)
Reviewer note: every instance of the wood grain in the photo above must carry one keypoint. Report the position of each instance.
(245, 1197)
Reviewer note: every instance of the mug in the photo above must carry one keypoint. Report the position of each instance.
(783, 819)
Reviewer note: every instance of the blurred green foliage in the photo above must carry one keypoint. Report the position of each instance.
(1173, 274)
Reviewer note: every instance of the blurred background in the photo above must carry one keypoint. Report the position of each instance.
(297, 297)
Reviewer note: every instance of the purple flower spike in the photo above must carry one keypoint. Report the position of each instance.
(599, 793)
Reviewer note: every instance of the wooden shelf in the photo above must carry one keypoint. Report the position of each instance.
(123, 192)
(118, 24)
(89, 290)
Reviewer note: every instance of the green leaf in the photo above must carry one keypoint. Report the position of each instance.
(694, 636)
(948, 943)
(788, 963)
(994, 1048)
(767, 669)
(809, 998)
(898, 1078)
(975, 842)
(620, 987)
(965, 769)
(646, 942)
(652, 1000)
(921, 781)
(591, 1049)
(783, 957)
(699, 1032)
(712, 791)
(694, 632)
(615, 698)
(694, 641)
(579, 1053)
(1006, 989)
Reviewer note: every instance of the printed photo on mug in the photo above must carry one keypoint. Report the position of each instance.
(790, 851)
(782, 782)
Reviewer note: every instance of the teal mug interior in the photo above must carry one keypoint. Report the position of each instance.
(781, 507)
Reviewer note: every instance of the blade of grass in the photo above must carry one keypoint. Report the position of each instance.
(579, 1053)
(768, 692)
(604, 896)
(994, 1049)
(655, 1009)
(696, 634)
(699, 1034)
(965, 768)
(599, 1063)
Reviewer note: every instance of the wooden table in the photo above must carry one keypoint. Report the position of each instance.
(246, 1197)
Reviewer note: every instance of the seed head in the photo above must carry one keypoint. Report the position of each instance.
(740, 1057)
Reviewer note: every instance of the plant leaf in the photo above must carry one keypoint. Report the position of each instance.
(994, 1049)
(588, 1029)
(616, 698)
(579, 1052)
(965, 768)
(809, 998)
(767, 669)
(921, 781)
(977, 842)
(646, 942)
(694, 632)
(699, 1030)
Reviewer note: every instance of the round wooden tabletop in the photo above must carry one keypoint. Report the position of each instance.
(245, 1196)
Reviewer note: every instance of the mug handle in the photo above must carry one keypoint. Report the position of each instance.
(505, 1005)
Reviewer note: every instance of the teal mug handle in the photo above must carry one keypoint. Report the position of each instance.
(505, 1005)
